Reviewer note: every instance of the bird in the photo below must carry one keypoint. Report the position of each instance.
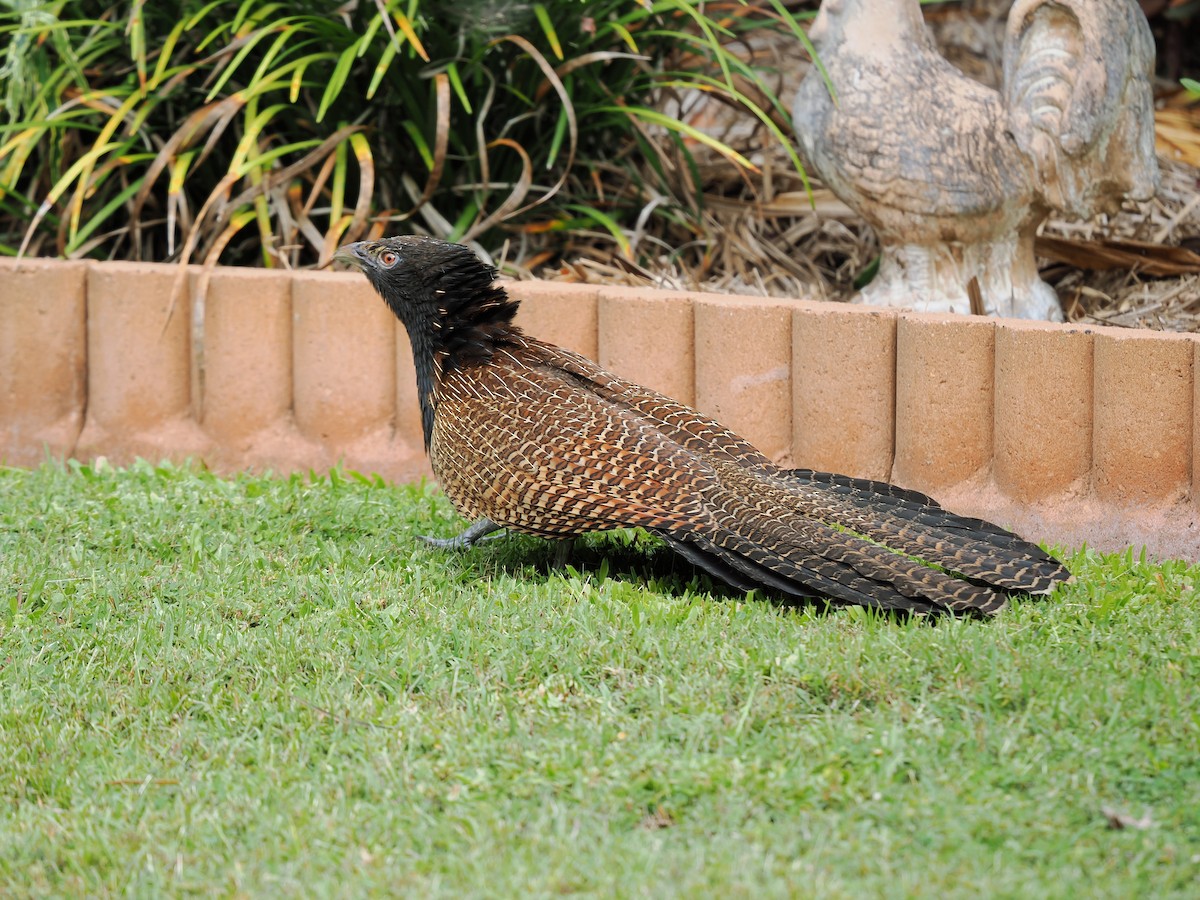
(956, 177)
(526, 436)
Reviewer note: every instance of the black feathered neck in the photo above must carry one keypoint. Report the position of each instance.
(455, 314)
(472, 314)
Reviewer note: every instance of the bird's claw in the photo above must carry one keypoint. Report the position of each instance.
(458, 542)
(477, 533)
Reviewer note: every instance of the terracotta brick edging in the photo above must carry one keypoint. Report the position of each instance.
(1069, 434)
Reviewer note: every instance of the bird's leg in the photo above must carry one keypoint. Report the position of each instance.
(475, 533)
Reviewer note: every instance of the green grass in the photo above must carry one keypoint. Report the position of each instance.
(267, 686)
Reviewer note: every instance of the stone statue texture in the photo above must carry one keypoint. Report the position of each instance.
(956, 177)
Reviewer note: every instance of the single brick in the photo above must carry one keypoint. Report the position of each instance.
(944, 406)
(140, 363)
(844, 389)
(743, 368)
(139, 344)
(558, 312)
(43, 358)
(1043, 419)
(1143, 415)
(247, 352)
(344, 358)
(646, 336)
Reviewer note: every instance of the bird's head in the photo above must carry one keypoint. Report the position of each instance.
(869, 25)
(415, 274)
(442, 292)
(455, 315)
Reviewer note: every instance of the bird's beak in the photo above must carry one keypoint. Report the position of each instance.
(354, 254)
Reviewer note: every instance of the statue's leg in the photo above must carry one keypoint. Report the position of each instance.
(918, 277)
(475, 533)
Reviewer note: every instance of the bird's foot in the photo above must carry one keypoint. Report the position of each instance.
(476, 533)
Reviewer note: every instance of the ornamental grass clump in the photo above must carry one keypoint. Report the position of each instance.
(269, 133)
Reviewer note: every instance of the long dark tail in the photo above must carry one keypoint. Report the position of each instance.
(749, 567)
(868, 543)
(913, 523)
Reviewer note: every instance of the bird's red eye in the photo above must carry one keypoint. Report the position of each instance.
(388, 258)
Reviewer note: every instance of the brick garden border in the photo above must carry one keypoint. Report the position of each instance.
(1066, 433)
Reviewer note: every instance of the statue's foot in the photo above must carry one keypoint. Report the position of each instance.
(1036, 301)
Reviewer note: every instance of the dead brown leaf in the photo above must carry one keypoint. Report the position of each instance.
(656, 820)
(1177, 134)
(1148, 258)
(1118, 821)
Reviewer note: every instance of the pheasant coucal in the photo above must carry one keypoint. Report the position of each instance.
(527, 436)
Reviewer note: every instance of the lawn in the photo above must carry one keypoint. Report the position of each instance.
(267, 686)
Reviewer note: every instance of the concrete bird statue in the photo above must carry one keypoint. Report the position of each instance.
(956, 177)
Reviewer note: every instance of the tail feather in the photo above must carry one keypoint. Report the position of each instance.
(907, 504)
(821, 535)
(748, 567)
(756, 532)
(914, 524)
(858, 486)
